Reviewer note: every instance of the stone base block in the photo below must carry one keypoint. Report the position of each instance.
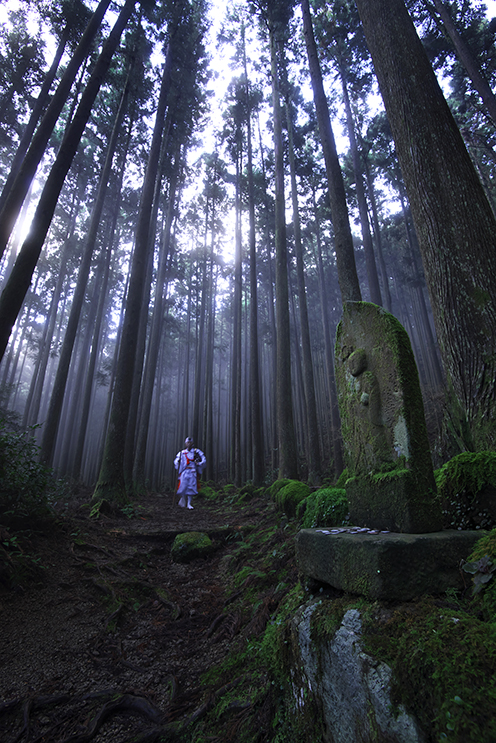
(388, 567)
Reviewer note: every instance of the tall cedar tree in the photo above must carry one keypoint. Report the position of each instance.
(345, 256)
(277, 18)
(111, 483)
(455, 225)
(17, 187)
(18, 283)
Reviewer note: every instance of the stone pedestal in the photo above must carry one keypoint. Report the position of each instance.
(386, 567)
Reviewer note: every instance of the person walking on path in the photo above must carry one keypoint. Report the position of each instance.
(189, 464)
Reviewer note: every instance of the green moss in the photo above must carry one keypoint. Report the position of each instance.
(468, 471)
(340, 483)
(459, 482)
(324, 507)
(207, 492)
(443, 664)
(328, 615)
(407, 433)
(190, 545)
(485, 601)
(276, 487)
(289, 496)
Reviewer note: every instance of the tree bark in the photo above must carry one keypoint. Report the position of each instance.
(255, 394)
(12, 200)
(455, 225)
(55, 408)
(312, 440)
(288, 466)
(345, 256)
(111, 482)
(16, 287)
(368, 248)
(465, 56)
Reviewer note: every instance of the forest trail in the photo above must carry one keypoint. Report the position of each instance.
(113, 640)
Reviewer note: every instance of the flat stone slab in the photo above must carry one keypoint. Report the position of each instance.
(387, 566)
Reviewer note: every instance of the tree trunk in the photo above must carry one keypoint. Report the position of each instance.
(345, 256)
(455, 225)
(255, 396)
(465, 56)
(30, 127)
(288, 466)
(111, 483)
(58, 391)
(12, 200)
(368, 248)
(16, 287)
(312, 440)
(154, 339)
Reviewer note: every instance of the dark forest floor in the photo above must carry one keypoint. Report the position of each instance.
(109, 639)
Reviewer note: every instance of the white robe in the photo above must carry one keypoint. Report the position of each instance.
(188, 472)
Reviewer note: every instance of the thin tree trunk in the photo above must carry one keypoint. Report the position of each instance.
(39, 106)
(465, 56)
(111, 484)
(312, 441)
(59, 386)
(288, 465)
(154, 339)
(255, 395)
(368, 248)
(12, 201)
(15, 290)
(345, 256)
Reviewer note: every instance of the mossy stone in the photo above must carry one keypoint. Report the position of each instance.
(289, 496)
(190, 545)
(383, 424)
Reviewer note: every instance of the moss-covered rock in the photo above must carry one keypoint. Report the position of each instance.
(324, 507)
(277, 486)
(188, 546)
(289, 496)
(466, 487)
(485, 599)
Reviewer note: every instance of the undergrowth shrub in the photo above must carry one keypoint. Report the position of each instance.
(207, 492)
(324, 507)
(24, 482)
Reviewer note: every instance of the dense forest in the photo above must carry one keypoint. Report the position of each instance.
(190, 191)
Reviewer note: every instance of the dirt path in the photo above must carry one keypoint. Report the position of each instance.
(116, 622)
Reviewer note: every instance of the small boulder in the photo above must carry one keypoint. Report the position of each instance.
(190, 545)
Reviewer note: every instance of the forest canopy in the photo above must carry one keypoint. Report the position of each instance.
(189, 193)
